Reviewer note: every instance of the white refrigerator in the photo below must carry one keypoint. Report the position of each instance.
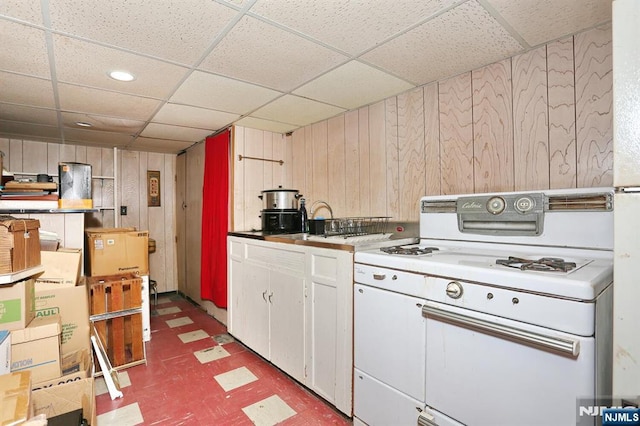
(626, 179)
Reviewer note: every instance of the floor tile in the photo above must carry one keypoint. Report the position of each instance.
(192, 336)
(164, 300)
(128, 415)
(101, 386)
(223, 339)
(269, 411)
(211, 354)
(178, 322)
(235, 378)
(169, 310)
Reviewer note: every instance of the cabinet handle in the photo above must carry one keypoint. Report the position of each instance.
(379, 277)
(264, 294)
(270, 297)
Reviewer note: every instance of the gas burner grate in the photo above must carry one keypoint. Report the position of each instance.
(553, 264)
(409, 251)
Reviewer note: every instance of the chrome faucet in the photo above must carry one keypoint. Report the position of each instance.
(313, 212)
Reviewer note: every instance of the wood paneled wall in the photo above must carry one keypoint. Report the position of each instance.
(33, 157)
(250, 176)
(539, 120)
(159, 221)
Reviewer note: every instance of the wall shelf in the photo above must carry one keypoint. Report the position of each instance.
(21, 275)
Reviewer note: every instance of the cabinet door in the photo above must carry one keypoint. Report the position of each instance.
(286, 297)
(235, 281)
(251, 313)
(329, 325)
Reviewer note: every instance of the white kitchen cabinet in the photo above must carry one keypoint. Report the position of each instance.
(266, 301)
(329, 325)
(293, 305)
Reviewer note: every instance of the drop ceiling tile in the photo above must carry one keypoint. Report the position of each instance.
(96, 137)
(543, 20)
(270, 56)
(173, 30)
(24, 50)
(222, 94)
(189, 116)
(102, 102)
(102, 123)
(166, 131)
(296, 110)
(159, 145)
(459, 40)
(350, 26)
(271, 126)
(353, 85)
(88, 64)
(29, 11)
(29, 130)
(20, 89)
(28, 114)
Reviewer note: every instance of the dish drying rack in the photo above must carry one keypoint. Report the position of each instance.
(354, 226)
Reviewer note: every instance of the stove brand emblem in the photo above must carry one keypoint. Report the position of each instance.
(471, 205)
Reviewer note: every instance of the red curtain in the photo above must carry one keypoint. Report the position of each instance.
(215, 217)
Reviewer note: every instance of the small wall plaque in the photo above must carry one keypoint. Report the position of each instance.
(153, 188)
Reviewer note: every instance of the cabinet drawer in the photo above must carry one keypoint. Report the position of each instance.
(276, 257)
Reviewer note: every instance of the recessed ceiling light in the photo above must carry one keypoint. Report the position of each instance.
(121, 75)
(83, 124)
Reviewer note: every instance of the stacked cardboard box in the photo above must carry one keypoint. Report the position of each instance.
(37, 348)
(61, 268)
(19, 244)
(47, 322)
(17, 304)
(113, 251)
(15, 398)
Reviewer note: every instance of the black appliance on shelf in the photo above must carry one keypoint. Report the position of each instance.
(280, 213)
(281, 221)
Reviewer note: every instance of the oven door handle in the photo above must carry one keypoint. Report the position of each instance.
(565, 347)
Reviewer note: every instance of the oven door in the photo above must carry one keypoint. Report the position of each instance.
(487, 370)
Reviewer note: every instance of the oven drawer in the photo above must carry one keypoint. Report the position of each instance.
(377, 404)
(390, 279)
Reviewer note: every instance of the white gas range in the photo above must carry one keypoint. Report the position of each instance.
(501, 314)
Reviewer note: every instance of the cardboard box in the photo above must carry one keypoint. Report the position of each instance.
(72, 304)
(56, 400)
(17, 305)
(37, 349)
(75, 186)
(15, 398)
(113, 251)
(76, 366)
(19, 244)
(61, 268)
(5, 352)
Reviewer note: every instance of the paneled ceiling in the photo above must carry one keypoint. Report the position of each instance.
(277, 65)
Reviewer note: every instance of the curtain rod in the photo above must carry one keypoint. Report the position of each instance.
(240, 157)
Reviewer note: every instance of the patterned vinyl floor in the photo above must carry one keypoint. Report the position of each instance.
(197, 374)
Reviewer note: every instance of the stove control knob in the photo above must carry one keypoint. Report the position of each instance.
(496, 205)
(524, 204)
(454, 290)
